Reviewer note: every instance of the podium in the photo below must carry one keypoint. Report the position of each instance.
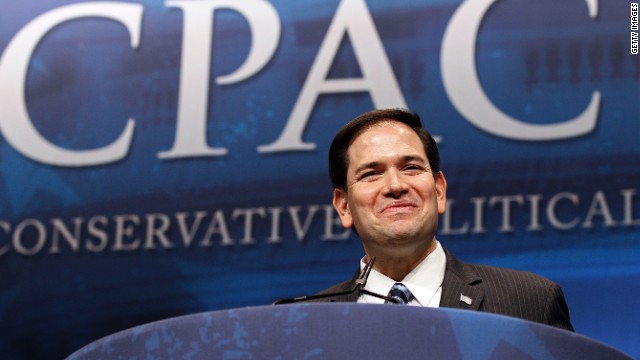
(345, 331)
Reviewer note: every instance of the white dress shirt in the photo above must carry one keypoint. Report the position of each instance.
(424, 281)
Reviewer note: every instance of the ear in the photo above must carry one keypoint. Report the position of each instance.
(341, 204)
(441, 192)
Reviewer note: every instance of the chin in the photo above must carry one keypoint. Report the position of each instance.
(403, 235)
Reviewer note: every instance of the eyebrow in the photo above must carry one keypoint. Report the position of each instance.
(374, 164)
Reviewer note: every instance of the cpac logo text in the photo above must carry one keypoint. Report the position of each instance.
(352, 18)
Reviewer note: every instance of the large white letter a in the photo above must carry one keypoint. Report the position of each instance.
(353, 18)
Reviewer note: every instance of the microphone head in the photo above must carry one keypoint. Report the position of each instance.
(364, 274)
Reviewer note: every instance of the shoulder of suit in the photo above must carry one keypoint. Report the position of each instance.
(477, 273)
(494, 273)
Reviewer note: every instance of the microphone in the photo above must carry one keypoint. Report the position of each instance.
(358, 286)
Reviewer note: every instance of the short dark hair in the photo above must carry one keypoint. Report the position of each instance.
(339, 160)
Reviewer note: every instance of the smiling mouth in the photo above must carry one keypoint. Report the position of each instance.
(400, 207)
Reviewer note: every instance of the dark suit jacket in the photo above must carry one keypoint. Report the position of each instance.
(496, 290)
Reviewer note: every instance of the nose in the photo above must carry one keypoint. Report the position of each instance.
(395, 184)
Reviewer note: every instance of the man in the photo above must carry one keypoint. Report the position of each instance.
(388, 187)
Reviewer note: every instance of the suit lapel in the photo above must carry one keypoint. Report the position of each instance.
(348, 285)
(459, 287)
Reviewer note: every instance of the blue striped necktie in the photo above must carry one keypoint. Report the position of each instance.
(400, 293)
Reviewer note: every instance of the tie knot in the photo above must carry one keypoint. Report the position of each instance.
(400, 293)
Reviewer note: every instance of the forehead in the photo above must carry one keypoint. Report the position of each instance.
(385, 139)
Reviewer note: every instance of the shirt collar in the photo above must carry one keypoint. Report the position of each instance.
(423, 281)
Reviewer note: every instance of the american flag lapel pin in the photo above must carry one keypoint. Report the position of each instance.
(465, 299)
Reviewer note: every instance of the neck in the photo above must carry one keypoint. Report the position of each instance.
(397, 266)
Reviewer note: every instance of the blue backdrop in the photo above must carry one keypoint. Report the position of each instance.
(160, 159)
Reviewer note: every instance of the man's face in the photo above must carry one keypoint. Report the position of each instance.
(392, 198)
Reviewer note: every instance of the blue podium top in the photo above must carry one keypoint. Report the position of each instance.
(345, 330)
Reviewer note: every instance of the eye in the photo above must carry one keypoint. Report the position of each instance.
(414, 169)
(369, 175)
